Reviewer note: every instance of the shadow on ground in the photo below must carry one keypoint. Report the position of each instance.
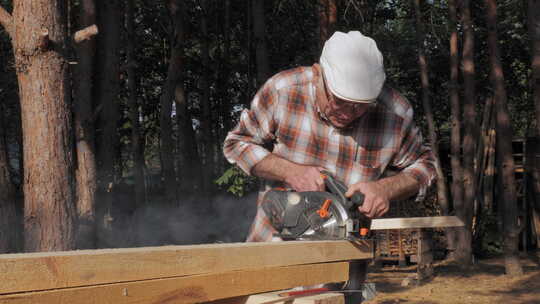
(484, 282)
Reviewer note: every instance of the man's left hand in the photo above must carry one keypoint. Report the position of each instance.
(376, 201)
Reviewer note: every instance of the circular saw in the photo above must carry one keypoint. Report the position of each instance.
(316, 215)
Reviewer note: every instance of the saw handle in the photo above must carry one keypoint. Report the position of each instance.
(357, 199)
(338, 188)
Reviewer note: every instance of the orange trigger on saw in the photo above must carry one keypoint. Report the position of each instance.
(323, 212)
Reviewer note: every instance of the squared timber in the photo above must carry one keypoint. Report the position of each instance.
(190, 289)
(42, 271)
(324, 298)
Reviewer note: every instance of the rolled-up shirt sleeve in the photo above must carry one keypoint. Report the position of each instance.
(415, 157)
(244, 145)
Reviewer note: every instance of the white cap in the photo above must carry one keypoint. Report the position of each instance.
(353, 67)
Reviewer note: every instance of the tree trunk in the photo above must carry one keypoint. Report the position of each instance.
(224, 70)
(534, 34)
(7, 197)
(457, 169)
(442, 191)
(249, 81)
(327, 20)
(167, 99)
(189, 165)
(261, 50)
(483, 174)
(44, 91)
(206, 119)
(465, 212)
(504, 148)
(190, 162)
(84, 132)
(106, 92)
(227, 124)
(225, 101)
(134, 114)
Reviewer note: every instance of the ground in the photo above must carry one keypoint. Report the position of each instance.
(485, 282)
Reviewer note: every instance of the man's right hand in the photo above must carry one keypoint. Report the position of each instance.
(305, 178)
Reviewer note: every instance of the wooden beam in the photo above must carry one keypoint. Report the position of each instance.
(86, 33)
(274, 297)
(190, 289)
(42, 271)
(416, 222)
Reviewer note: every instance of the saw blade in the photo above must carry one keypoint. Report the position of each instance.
(332, 227)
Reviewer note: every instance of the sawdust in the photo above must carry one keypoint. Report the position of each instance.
(485, 282)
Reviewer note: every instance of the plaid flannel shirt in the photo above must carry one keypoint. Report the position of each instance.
(285, 117)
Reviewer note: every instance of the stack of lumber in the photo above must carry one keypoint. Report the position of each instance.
(397, 237)
(389, 242)
(174, 274)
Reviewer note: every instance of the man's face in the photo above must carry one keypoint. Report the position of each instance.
(341, 112)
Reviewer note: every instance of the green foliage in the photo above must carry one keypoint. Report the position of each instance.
(236, 181)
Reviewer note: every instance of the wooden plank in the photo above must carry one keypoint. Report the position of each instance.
(190, 289)
(416, 222)
(324, 298)
(41, 271)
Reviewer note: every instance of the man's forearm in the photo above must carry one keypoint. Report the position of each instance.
(293, 175)
(397, 187)
(400, 186)
(273, 167)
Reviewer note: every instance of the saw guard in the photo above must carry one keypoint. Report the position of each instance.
(296, 215)
(336, 226)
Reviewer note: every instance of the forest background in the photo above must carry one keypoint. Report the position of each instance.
(112, 136)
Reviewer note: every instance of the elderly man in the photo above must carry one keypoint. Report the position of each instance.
(336, 116)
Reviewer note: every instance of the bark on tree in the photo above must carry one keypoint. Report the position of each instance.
(489, 179)
(174, 74)
(534, 34)
(223, 84)
(6, 20)
(189, 160)
(84, 132)
(227, 124)
(261, 49)
(465, 212)
(485, 173)
(189, 164)
(327, 20)
(224, 81)
(249, 45)
(134, 114)
(7, 197)
(504, 148)
(442, 191)
(457, 169)
(38, 31)
(206, 119)
(110, 19)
